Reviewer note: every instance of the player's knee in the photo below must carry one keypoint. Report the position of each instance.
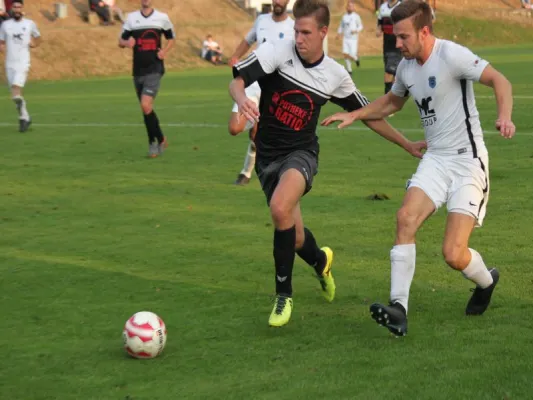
(406, 219)
(280, 212)
(146, 107)
(454, 255)
(233, 128)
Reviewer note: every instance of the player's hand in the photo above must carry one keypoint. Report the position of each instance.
(415, 148)
(161, 54)
(378, 33)
(249, 110)
(345, 119)
(233, 61)
(101, 4)
(506, 128)
(131, 43)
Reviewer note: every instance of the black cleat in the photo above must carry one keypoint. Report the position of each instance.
(358, 63)
(24, 125)
(242, 180)
(480, 299)
(393, 317)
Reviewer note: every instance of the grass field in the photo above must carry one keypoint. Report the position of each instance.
(92, 232)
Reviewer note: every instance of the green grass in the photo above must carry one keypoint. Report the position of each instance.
(92, 232)
(482, 32)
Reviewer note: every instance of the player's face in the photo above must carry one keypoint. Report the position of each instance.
(17, 9)
(146, 3)
(309, 37)
(350, 7)
(407, 38)
(279, 6)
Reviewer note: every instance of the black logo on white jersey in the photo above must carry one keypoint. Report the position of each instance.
(289, 63)
(426, 112)
(17, 36)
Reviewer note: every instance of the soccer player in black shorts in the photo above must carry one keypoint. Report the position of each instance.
(142, 32)
(296, 80)
(391, 55)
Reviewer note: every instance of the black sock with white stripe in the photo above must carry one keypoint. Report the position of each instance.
(284, 243)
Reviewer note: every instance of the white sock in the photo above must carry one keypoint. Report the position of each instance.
(403, 259)
(348, 65)
(477, 271)
(21, 107)
(249, 161)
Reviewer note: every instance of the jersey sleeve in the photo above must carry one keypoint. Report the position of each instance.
(251, 37)
(261, 62)
(126, 30)
(168, 29)
(34, 30)
(358, 24)
(399, 87)
(464, 64)
(347, 96)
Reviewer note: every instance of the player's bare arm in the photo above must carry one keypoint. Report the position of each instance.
(241, 50)
(126, 43)
(246, 106)
(377, 110)
(35, 42)
(503, 91)
(385, 130)
(161, 54)
(2, 46)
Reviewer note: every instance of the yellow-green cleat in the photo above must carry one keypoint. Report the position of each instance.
(326, 278)
(281, 313)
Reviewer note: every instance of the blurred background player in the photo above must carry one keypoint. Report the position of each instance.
(391, 55)
(17, 35)
(267, 28)
(350, 27)
(142, 32)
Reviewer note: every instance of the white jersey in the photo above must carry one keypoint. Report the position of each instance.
(443, 90)
(17, 35)
(265, 29)
(350, 26)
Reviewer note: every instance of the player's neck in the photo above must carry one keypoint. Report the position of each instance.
(147, 11)
(427, 50)
(280, 18)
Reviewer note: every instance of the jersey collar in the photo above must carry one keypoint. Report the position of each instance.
(305, 63)
(149, 15)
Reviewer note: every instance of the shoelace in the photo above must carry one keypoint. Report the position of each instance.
(280, 304)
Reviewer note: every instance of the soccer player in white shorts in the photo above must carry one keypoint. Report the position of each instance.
(349, 28)
(454, 171)
(273, 27)
(17, 35)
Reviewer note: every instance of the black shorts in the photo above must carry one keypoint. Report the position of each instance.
(269, 173)
(392, 59)
(147, 85)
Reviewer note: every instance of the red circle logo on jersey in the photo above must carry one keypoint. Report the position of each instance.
(293, 108)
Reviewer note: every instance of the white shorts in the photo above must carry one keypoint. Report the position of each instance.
(253, 92)
(349, 46)
(16, 76)
(460, 182)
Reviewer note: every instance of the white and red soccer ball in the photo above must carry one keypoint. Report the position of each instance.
(145, 335)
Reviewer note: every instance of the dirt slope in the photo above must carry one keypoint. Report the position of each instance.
(73, 48)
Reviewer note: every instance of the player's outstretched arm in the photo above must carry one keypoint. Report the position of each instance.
(503, 91)
(384, 129)
(378, 109)
(246, 106)
(241, 50)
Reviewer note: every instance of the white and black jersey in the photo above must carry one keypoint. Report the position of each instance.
(443, 91)
(293, 92)
(265, 29)
(147, 32)
(17, 35)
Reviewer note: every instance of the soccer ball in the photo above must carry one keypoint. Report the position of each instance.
(145, 335)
